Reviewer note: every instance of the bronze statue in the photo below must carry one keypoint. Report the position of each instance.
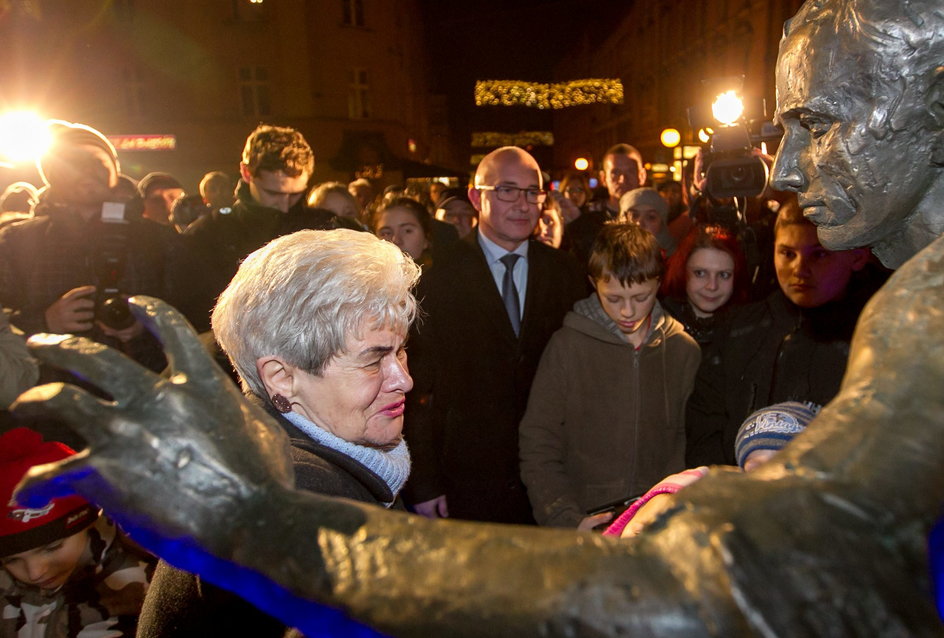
(826, 539)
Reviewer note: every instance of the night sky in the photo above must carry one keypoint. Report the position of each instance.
(503, 40)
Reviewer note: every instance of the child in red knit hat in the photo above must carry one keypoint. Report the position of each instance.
(66, 570)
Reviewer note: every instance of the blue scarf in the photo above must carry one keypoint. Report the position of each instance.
(392, 466)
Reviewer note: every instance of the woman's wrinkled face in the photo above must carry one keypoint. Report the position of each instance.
(709, 280)
(50, 566)
(360, 395)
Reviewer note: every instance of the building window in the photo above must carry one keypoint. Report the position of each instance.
(352, 12)
(254, 90)
(133, 83)
(358, 97)
(250, 10)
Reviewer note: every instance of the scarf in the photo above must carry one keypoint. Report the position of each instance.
(392, 466)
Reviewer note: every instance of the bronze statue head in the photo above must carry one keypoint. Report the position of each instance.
(860, 94)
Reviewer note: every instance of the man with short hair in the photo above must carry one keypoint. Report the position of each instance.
(492, 302)
(276, 166)
(623, 171)
(159, 191)
(59, 268)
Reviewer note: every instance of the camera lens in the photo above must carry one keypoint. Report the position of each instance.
(737, 176)
(115, 313)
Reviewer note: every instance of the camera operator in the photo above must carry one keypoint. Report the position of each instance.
(70, 268)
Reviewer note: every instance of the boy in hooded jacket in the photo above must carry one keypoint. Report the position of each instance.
(605, 418)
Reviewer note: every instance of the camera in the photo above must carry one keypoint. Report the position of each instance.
(735, 127)
(732, 171)
(111, 305)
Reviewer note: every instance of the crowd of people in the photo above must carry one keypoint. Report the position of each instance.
(570, 347)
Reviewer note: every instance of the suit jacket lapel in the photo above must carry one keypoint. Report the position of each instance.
(537, 266)
(486, 290)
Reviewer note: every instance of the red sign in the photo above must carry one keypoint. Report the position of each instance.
(144, 142)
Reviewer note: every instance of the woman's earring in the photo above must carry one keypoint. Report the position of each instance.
(281, 403)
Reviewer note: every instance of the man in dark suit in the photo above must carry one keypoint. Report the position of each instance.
(474, 356)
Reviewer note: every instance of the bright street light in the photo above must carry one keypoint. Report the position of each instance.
(24, 137)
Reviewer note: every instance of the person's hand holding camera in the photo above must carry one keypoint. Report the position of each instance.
(72, 312)
(125, 334)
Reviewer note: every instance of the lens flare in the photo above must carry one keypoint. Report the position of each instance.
(24, 136)
(727, 108)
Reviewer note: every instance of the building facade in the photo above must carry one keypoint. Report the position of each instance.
(191, 79)
(662, 50)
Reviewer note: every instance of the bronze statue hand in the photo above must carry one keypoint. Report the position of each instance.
(181, 454)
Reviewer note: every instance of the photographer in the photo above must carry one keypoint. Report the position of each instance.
(69, 269)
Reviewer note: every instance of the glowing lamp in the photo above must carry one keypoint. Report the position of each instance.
(670, 137)
(24, 136)
(728, 108)
(581, 163)
(704, 135)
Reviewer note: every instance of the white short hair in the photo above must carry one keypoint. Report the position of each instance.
(302, 296)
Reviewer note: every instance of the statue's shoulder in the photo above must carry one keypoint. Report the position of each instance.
(920, 279)
(904, 321)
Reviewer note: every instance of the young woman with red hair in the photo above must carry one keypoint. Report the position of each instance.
(707, 273)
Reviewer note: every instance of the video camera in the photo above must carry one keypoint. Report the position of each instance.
(734, 128)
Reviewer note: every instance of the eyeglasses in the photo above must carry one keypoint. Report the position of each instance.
(511, 193)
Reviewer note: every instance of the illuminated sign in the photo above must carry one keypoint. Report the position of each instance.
(144, 142)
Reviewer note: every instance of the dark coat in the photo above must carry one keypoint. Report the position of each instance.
(473, 376)
(765, 353)
(44, 257)
(212, 248)
(181, 605)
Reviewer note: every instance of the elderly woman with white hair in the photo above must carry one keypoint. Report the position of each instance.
(315, 324)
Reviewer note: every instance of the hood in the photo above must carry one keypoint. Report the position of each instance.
(589, 318)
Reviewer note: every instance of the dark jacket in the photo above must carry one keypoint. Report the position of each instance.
(580, 233)
(765, 353)
(45, 257)
(181, 604)
(605, 421)
(473, 375)
(212, 248)
(702, 329)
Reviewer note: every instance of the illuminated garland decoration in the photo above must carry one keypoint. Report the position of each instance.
(489, 139)
(548, 96)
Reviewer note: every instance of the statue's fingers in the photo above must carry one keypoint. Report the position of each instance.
(84, 413)
(46, 482)
(182, 347)
(108, 369)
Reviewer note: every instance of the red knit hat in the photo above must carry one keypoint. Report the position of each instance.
(25, 528)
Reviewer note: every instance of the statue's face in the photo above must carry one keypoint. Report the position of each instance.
(856, 187)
